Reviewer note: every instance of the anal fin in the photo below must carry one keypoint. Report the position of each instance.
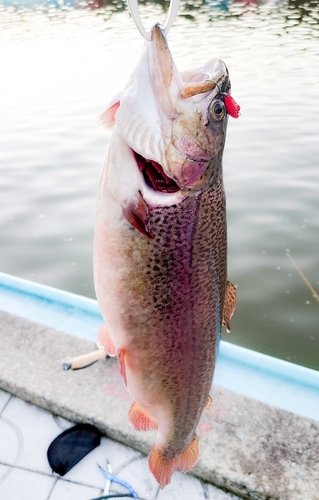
(162, 468)
(140, 419)
(229, 305)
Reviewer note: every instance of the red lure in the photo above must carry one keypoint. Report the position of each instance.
(232, 107)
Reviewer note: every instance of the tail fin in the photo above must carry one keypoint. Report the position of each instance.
(162, 469)
(186, 460)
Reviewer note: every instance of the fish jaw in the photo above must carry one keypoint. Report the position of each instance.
(165, 78)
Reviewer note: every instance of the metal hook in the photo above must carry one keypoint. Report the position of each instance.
(173, 8)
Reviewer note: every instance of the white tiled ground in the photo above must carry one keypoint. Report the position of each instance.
(26, 432)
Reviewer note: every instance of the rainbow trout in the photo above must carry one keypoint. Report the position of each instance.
(160, 246)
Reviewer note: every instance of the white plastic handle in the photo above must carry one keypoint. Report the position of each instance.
(173, 8)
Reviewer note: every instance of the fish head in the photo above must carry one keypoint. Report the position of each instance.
(192, 113)
(174, 123)
(194, 155)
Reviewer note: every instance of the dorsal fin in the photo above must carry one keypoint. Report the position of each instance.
(229, 305)
(121, 362)
(208, 404)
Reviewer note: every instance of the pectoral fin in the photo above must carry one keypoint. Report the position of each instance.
(137, 214)
(107, 118)
(140, 419)
(229, 305)
(104, 341)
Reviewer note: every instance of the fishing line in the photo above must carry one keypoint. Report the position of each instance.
(292, 260)
(314, 293)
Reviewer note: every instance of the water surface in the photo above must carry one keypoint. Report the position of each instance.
(61, 62)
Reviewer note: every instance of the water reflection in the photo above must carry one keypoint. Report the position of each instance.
(301, 12)
(293, 13)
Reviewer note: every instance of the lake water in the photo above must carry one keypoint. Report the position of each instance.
(61, 62)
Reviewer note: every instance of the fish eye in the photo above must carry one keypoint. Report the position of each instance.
(218, 110)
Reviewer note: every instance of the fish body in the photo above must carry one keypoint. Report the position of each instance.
(160, 263)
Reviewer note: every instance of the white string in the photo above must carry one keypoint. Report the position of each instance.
(173, 8)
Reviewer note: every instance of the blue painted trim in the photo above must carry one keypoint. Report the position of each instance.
(270, 365)
(46, 292)
(58, 309)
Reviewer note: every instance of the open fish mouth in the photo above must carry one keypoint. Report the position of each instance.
(154, 175)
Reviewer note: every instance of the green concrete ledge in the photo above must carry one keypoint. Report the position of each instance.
(246, 447)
